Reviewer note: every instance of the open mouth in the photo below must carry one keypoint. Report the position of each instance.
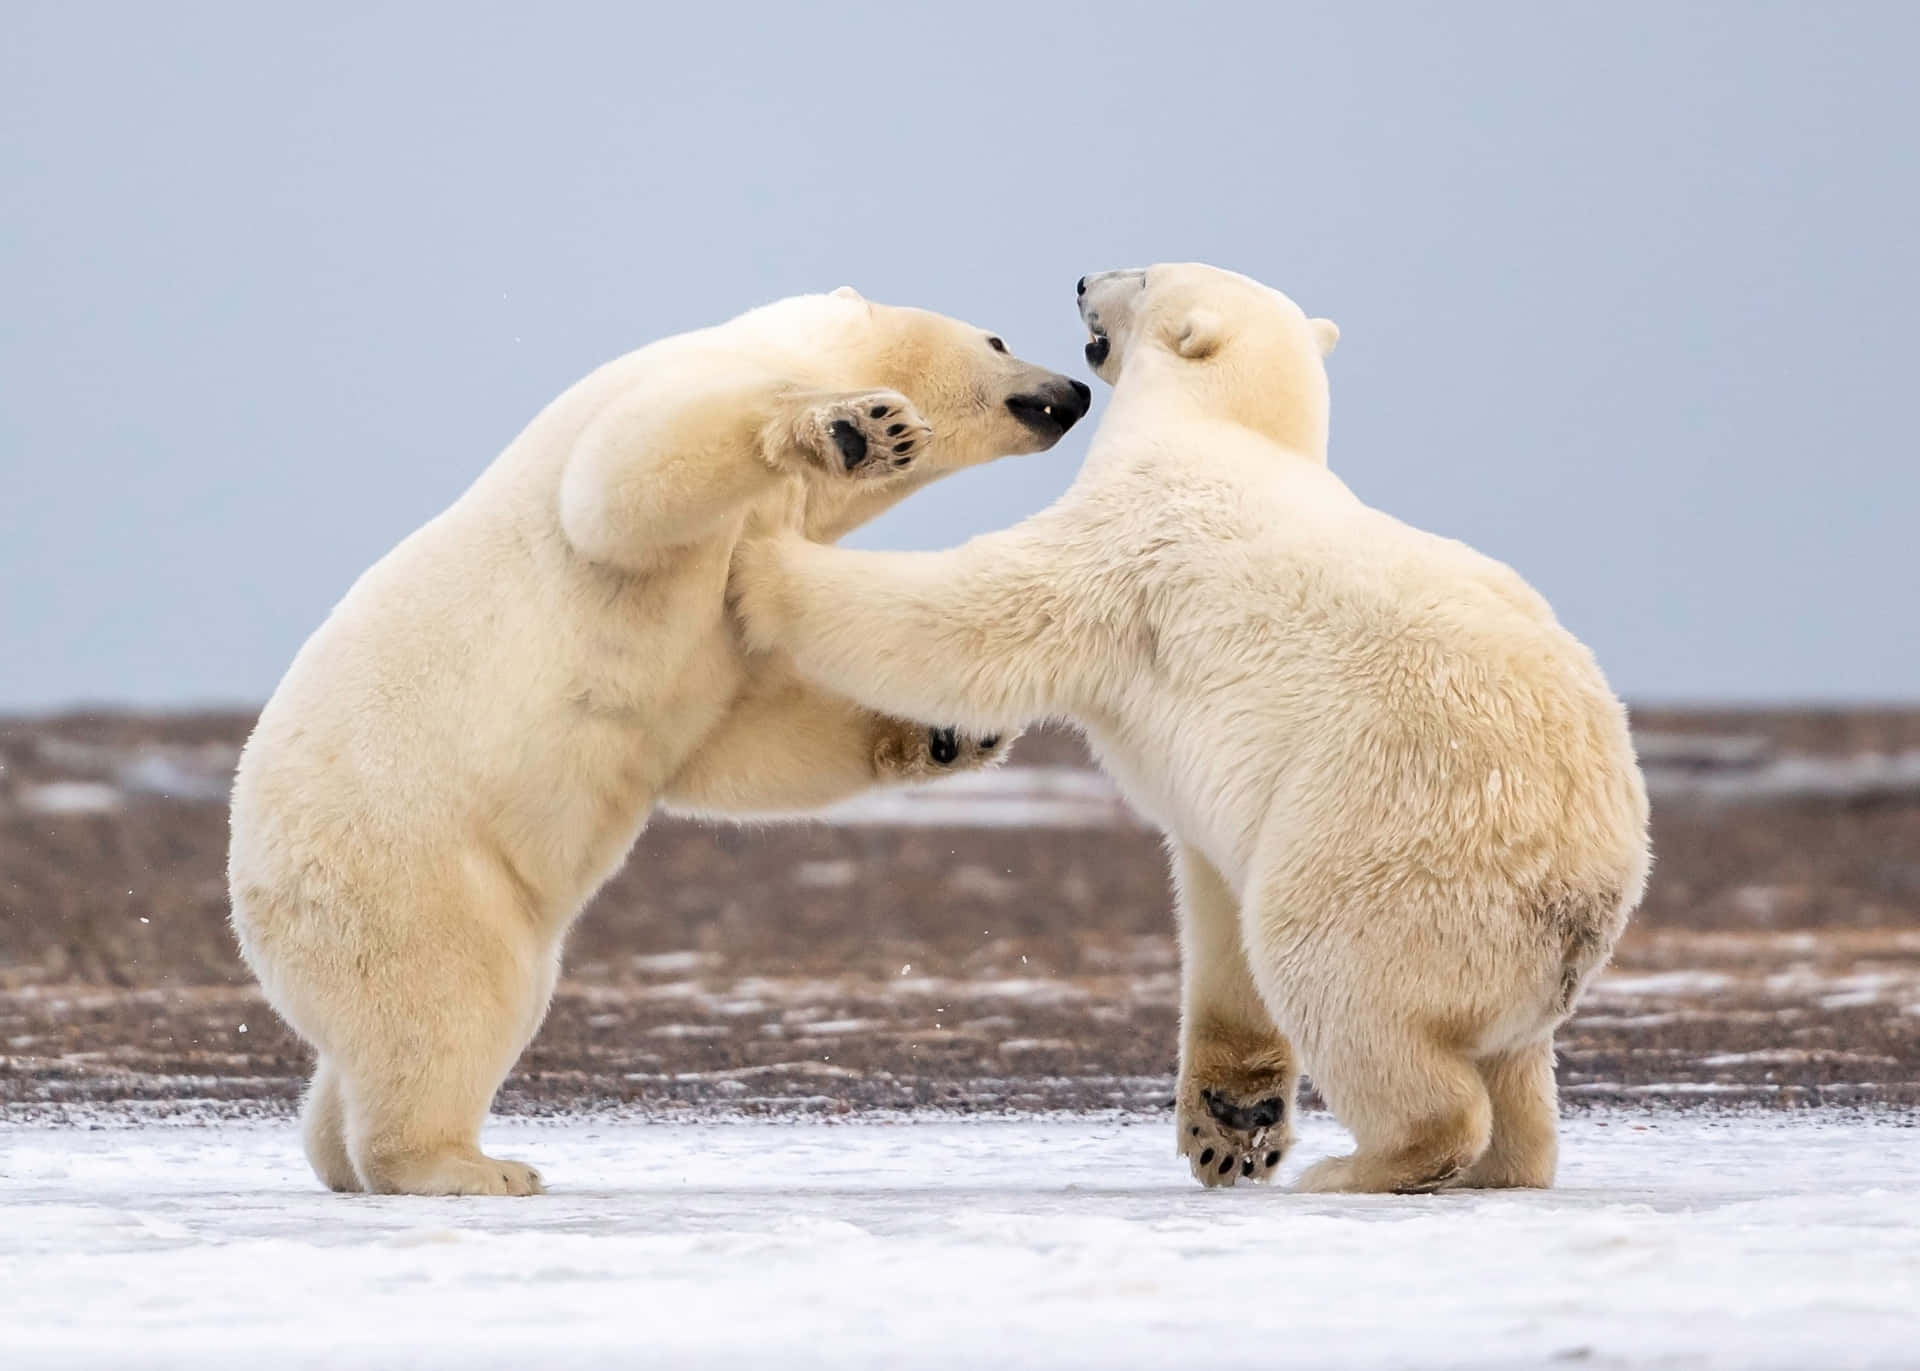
(1053, 409)
(1098, 346)
(1049, 421)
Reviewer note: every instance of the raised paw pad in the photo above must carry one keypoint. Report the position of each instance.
(851, 442)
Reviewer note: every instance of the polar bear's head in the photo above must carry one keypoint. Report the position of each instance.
(1240, 349)
(981, 401)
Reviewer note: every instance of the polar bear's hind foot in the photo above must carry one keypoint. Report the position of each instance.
(1233, 1117)
(323, 1129)
(1236, 1142)
(414, 1129)
(1406, 1148)
(1524, 1152)
(460, 1171)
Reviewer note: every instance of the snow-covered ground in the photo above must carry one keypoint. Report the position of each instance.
(1677, 1240)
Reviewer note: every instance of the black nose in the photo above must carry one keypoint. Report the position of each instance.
(1082, 288)
(1051, 409)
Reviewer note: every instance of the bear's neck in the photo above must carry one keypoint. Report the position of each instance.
(1291, 414)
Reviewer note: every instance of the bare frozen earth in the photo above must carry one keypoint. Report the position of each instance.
(1786, 1240)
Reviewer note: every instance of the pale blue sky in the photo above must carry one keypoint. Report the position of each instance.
(1628, 293)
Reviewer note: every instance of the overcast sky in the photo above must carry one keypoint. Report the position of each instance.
(1628, 293)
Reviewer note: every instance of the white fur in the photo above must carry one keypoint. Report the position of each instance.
(468, 746)
(1407, 816)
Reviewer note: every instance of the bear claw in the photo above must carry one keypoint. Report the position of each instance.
(943, 745)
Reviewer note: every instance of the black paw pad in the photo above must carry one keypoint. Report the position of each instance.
(1245, 1118)
(851, 442)
(943, 745)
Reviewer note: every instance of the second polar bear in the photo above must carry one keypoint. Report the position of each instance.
(467, 747)
(1406, 816)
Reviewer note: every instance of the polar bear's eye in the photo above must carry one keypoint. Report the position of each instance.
(996, 345)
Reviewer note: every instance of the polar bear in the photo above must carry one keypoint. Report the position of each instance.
(1406, 819)
(468, 746)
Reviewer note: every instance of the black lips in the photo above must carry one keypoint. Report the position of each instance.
(1053, 408)
(1097, 349)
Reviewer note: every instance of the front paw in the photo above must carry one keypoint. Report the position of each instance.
(911, 752)
(868, 434)
(1235, 1118)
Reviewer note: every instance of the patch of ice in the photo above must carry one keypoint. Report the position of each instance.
(1789, 1056)
(1014, 1047)
(672, 963)
(1687, 983)
(1006, 797)
(826, 875)
(72, 797)
(1753, 1242)
(833, 1028)
(173, 777)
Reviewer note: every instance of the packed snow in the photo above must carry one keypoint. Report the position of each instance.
(1673, 1239)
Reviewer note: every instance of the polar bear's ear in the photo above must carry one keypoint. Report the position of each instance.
(1326, 333)
(848, 293)
(1198, 335)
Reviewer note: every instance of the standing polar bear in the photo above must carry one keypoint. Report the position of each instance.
(1406, 819)
(468, 746)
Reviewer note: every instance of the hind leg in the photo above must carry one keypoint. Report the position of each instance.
(1237, 1073)
(1526, 1142)
(428, 1045)
(1381, 1007)
(1418, 1112)
(323, 1128)
(417, 1132)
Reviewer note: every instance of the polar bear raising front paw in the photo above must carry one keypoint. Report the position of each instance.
(872, 433)
(469, 745)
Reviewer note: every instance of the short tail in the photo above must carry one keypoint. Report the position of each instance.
(1587, 926)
